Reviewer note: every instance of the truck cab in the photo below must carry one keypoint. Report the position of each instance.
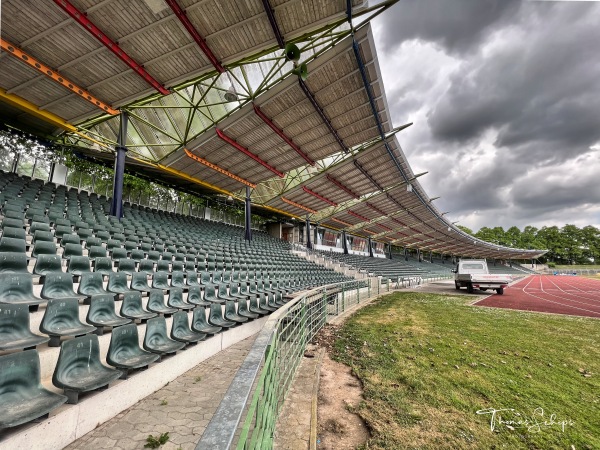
(474, 274)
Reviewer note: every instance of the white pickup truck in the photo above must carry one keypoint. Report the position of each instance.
(474, 274)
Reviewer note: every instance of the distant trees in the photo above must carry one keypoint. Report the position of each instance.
(566, 245)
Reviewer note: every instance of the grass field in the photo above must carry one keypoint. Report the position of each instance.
(429, 363)
(588, 266)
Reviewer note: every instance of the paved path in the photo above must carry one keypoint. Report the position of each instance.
(293, 428)
(183, 407)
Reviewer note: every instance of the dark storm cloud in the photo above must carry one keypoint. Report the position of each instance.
(505, 98)
(457, 25)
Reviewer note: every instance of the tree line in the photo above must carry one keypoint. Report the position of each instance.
(567, 245)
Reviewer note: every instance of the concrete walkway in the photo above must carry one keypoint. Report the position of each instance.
(182, 408)
(297, 419)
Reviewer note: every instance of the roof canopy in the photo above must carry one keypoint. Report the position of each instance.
(212, 100)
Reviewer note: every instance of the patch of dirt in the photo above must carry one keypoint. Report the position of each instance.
(340, 392)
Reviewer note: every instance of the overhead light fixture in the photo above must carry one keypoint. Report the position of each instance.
(231, 95)
(409, 187)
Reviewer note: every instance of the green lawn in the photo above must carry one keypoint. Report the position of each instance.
(429, 362)
(586, 266)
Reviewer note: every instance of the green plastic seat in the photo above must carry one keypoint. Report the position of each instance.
(15, 332)
(231, 313)
(62, 319)
(244, 311)
(17, 288)
(137, 255)
(180, 330)
(91, 283)
(79, 368)
(124, 351)
(160, 280)
(96, 251)
(215, 317)
(102, 313)
(117, 283)
(175, 300)
(163, 266)
(195, 296)
(13, 262)
(178, 280)
(43, 248)
(69, 239)
(200, 324)
(78, 265)
(263, 303)
(139, 282)
(156, 303)
(223, 295)
(22, 396)
(210, 295)
(103, 265)
(156, 339)
(72, 250)
(40, 235)
(15, 233)
(60, 231)
(14, 245)
(146, 266)
(12, 223)
(58, 285)
(118, 253)
(126, 265)
(132, 307)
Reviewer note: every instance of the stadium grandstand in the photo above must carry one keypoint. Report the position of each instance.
(277, 106)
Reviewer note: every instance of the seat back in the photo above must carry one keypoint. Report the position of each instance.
(160, 280)
(58, 285)
(146, 265)
(210, 293)
(78, 362)
(175, 299)
(62, 314)
(178, 279)
(13, 262)
(117, 282)
(43, 248)
(16, 233)
(72, 250)
(124, 344)
(15, 245)
(78, 265)
(15, 287)
(126, 265)
(91, 283)
(103, 264)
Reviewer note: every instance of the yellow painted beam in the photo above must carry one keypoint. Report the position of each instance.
(32, 109)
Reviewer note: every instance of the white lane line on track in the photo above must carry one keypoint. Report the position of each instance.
(581, 294)
(554, 302)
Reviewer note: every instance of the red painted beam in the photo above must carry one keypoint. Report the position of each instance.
(342, 187)
(89, 26)
(352, 213)
(244, 150)
(297, 205)
(282, 135)
(185, 21)
(397, 221)
(383, 226)
(376, 209)
(320, 197)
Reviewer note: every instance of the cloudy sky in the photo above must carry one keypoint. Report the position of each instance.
(505, 100)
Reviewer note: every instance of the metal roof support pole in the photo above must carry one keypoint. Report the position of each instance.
(431, 256)
(316, 234)
(248, 221)
(309, 95)
(370, 243)
(405, 254)
(273, 22)
(116, 207)
(390, 251)
(344, 242)
(308, 242)
(419, 255)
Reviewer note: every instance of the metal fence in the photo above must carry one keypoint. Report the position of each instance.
(265, 376)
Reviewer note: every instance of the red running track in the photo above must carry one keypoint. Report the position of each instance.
(573, 295)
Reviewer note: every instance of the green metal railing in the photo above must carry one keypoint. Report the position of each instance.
(268, 371)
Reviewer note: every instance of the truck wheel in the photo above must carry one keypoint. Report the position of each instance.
(500, 291)
(456, 285)
(470, 288)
